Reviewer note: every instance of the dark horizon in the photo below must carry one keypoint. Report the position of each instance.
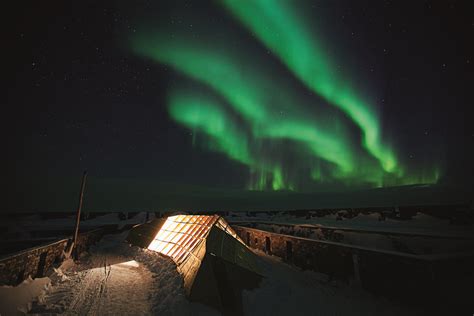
(129, 195)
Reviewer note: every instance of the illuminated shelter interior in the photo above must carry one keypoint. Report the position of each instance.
(180, 234)
(214, 262)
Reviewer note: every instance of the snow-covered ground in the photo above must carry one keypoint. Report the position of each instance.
(17, 299)
(286, 290)
(421, 223)
(380, 241)
(116, 279)
(36, 223)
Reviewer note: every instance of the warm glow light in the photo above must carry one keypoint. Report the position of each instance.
(180, 234)
(131, 263)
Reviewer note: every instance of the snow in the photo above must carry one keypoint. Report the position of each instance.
(421, 223)
(116, 279)
(375, 241)
(16, 300)
(419, 244)
(24, 226)
(287, 290)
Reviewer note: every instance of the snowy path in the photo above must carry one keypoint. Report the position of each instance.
(115, 279)
(102, 291)
(105, 283)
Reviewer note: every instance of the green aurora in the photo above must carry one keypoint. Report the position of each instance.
(244, 110)
(305, 56)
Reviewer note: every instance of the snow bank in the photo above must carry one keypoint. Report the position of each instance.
(167, 293)
(286, 290)
(17, 300)
(422, 217)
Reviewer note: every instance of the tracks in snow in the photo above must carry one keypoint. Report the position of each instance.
(108, 283)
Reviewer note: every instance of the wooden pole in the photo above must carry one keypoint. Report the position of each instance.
(79, 207)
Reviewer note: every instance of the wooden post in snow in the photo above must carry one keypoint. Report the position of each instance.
(78, 215)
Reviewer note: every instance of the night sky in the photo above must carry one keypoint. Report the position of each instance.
(193, 100)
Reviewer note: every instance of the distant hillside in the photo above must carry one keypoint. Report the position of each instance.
(145, 194)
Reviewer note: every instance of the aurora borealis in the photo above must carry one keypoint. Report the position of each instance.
(238, 105)
(228, 104)
(305, 56)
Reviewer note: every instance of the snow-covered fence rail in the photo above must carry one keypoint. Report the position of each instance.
(411, 242)
(326, 231)
(35, 262)
(408, 277)
(30, 262)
